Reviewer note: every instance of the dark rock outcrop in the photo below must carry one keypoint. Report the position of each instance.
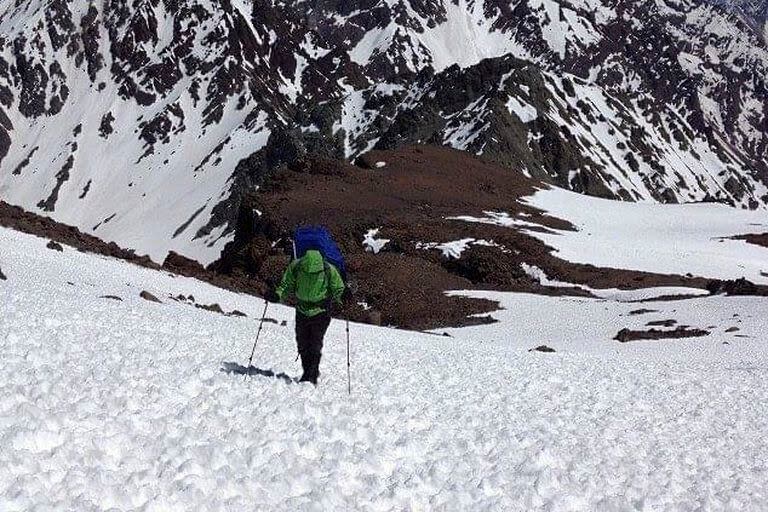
(149, 297)
(542, 348)
(682, 331)
(755, 239)
(642, 311)
(740, 286)
(214, 308)
(662, 323)
(55, 246)
(179, 264)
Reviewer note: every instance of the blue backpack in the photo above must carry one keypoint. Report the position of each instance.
(319, 238)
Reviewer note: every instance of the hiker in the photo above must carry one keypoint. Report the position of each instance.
(317, 284)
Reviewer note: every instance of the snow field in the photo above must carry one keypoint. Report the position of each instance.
(107, 404)
(667, 239)
(586, 326)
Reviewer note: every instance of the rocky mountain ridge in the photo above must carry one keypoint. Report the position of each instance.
(147, 122)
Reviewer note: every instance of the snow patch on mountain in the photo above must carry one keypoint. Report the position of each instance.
(668, 239)
(524, 111)
(372, 243)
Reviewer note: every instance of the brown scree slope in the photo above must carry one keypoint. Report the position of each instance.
(412, 198)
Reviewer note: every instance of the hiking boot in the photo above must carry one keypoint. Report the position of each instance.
(307, 378)
(310, 364)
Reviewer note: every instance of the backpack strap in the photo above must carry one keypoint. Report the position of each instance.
(328, 297)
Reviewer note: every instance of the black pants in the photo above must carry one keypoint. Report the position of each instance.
(310, 332)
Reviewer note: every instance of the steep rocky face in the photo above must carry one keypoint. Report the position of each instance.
(753, 12)
(147, 122)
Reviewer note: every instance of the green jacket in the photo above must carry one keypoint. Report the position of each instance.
(313, 281)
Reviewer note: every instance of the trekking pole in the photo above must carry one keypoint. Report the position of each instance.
(261, 324)
(349, 379)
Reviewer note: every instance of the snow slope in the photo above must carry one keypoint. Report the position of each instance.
(124, 404)
(669, 239)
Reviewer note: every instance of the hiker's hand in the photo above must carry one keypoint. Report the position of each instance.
(271, 295)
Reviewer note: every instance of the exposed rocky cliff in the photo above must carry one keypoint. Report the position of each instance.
(146, 122)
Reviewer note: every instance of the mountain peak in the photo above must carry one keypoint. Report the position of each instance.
(109, 111)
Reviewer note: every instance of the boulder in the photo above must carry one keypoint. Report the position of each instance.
(55, 246)
(148, 296)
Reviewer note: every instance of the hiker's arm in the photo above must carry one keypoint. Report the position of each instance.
(287, 285)
(336, 286)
